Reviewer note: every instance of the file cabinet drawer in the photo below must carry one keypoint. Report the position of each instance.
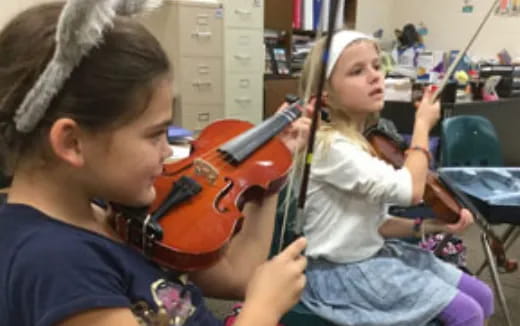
(201, 80)
(197, 117)
(253, 117)
(245, 13)
(200, 31)
(244, 51)
(244, 94)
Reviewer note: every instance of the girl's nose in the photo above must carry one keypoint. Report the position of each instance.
(167, 150)
(375, 75)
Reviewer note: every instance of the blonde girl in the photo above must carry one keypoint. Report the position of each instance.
(356, 275)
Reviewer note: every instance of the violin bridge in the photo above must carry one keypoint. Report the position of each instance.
(205, 170)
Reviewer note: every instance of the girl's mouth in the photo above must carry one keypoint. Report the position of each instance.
(376, 92)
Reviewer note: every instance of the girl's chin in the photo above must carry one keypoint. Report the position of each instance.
(378, 106)
(146, 198)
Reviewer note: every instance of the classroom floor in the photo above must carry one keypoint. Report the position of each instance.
(510, 282)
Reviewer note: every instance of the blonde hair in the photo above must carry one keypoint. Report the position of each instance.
(340, 121)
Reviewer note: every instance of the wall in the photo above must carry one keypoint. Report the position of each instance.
(374, 14)
(449, 28)
(10, 8)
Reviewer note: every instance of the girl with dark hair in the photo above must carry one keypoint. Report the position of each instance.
(85, 102)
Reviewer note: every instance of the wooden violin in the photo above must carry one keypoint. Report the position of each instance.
(436, 195)
(199, 199)
(441, 195)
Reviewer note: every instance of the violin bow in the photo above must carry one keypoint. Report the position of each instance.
(332, 14)
(455, 63)
(295, 172)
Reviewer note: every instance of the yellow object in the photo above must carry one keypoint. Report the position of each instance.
(461, 77)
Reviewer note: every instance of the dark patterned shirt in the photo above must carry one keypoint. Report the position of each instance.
(50, 271)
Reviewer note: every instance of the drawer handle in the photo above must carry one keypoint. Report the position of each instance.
(244, 83)
(243, 100)
(203, 70)
(243, 12)
(202, 34)
(202, 19)
(199, 83)
(203, 117)
(242, 57)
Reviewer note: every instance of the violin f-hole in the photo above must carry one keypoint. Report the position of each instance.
(218, 201)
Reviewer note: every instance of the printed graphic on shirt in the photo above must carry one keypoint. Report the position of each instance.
(174, 306)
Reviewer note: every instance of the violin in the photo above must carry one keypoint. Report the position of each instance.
(443, 197)
(199, 199)
(436, 195)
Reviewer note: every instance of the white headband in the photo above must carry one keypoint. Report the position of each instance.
(340, 41)
(80, 28)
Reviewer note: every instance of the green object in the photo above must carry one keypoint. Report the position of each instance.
(467, 9)
(387, 62)
(469, 140)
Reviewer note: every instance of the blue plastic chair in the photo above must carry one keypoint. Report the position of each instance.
(471, 140)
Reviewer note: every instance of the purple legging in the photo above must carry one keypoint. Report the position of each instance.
(471, 306)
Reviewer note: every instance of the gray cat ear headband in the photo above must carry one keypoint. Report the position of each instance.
(80, 28)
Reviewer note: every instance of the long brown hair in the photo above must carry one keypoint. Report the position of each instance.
(111, 86)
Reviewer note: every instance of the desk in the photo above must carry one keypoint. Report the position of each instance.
(503, 114)
(493, 195)
(495, 191)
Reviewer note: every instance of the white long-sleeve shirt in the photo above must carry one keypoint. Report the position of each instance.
(348, 193)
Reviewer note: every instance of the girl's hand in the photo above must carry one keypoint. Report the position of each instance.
(465, 220)
(295, 136)
(428, 112)
(277, 284)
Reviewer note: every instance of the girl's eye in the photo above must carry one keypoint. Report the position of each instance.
(356, 71)
(159, 135)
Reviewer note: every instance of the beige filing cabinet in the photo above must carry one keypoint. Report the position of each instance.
(244, 59)
(191, 34)
(216, 48)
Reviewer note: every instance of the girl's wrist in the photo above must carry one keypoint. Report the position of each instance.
(421, 125)
(418, 228)
(429, 226)
(252, 314)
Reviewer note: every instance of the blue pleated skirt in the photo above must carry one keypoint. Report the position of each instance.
(402, 285)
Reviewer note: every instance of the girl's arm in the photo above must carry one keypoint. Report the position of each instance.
(417, 160)
(247, 250)
(400, 227)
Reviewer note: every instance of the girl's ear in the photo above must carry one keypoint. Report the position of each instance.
(64, 139)
(325, 98)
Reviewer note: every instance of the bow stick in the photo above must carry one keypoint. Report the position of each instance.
(455, 63)
(307, 159)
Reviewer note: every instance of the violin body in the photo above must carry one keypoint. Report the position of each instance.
(436, 195)
(199, 199)
(202, 225)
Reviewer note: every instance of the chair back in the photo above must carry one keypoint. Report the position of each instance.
(469, 140)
